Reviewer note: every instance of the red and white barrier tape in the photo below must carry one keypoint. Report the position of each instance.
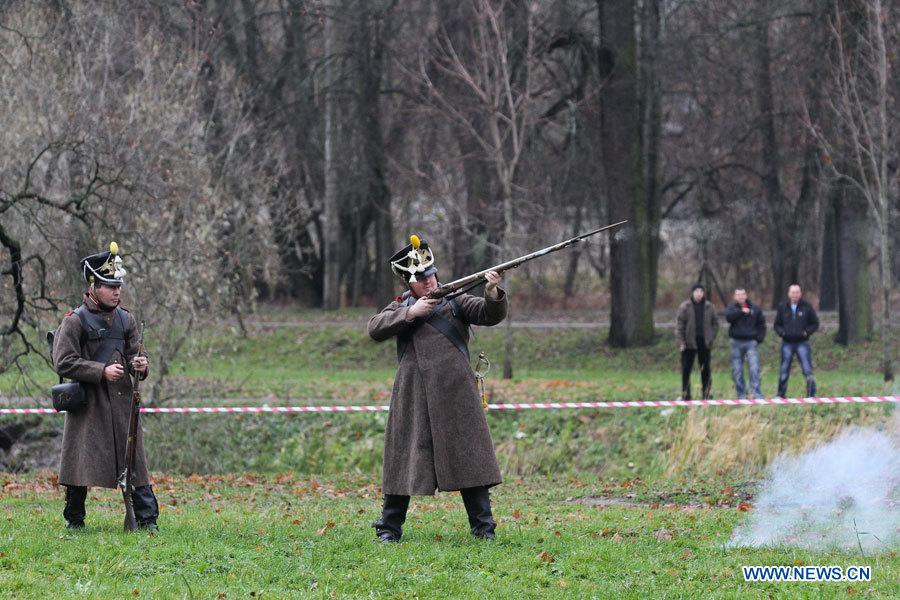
(510, 406)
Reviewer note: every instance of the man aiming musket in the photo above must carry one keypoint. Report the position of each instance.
(97, 345)
(437, 437)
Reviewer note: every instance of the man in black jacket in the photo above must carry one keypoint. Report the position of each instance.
(747, 328)
(795, 322)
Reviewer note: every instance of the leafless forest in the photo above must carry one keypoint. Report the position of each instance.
(249, 151)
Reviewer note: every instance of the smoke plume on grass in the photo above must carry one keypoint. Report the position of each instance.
(841, 495)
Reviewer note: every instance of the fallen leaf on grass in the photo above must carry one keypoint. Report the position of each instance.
(328, 525)
(687, 554)
(135, 592)
(546, 557)
(744, 506)
(616, 537)
(663, 535)
(296, 521)
(516, 514)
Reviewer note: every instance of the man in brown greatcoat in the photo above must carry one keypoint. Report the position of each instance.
(437, 435)
(97, 345)
(695, 330)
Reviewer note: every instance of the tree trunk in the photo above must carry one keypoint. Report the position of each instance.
(882, 206)
(370, 50)
(854, 294)
(508, 342)
(629, 125)
(331, 211)
(574, 255)
(828, 276)
(886, 284)
(778, 209)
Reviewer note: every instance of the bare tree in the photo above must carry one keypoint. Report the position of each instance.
(498, 77)
(862, 105)
(115, 150)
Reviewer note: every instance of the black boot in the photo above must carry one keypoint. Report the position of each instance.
(478, 507)
(146, 508)
(74, 511)
(810, 387)
(389, 527)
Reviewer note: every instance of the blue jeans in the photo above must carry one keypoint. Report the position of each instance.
(740, 348)
(804, 354)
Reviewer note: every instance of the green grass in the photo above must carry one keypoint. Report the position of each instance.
(331, 363)
(285, 537)
(269, 535)
(340, 362)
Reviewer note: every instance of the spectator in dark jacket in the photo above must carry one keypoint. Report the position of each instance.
(795, 322)
(695, 330)
(747, 328)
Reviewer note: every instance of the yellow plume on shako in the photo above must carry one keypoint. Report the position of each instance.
(415, 241)
(113, 248)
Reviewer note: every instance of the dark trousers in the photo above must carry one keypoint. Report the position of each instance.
(804, 355)
(146, 508)
(477, 501)
(687, 365)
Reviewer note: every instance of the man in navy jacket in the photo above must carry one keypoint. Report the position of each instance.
(747, 328)
(795, 322)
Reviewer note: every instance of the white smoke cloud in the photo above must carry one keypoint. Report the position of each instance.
(841, 495)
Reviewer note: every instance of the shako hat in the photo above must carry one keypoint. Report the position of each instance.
(415, 259)
(104, 267)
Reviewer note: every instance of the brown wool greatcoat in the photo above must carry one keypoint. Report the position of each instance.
(93, 449)
(437, 436)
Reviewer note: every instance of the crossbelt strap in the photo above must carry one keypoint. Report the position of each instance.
(439, 322)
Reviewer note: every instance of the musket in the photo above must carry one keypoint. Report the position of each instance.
(126, 479)
(464, 284)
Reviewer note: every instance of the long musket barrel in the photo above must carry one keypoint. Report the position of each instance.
(474, 279)
(126, 480)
